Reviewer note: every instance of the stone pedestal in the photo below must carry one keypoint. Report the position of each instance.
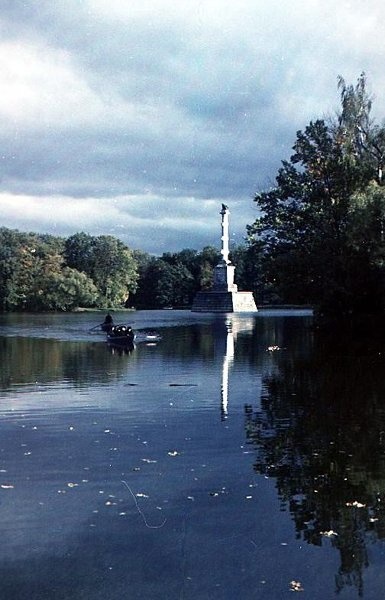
(219, 302)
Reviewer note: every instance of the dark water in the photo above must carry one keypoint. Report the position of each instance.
(240, 457)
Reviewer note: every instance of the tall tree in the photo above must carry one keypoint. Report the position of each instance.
(110, 264)
(304, 234)
(114, 270)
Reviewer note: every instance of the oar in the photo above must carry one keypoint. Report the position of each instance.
(96, 326)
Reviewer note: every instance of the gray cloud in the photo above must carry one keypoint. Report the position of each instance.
(151, 114)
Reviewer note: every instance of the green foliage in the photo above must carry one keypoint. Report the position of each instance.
(79, 252)
(41, 272)
(173, 279)
(108, 262)
(64, 290)
(164, 285)
(23, 259)
(318, 237)
(113, 271)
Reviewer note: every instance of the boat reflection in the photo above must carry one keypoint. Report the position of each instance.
(120, 349)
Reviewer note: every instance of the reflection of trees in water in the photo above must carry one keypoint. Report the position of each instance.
(252, 336)
(33, 360)
(320, 432)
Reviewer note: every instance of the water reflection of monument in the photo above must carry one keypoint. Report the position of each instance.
(228, 359)
(224, 295)
(225, 338)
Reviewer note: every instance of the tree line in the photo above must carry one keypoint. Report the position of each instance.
(46, 273)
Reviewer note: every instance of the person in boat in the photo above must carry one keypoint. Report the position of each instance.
(108, 322)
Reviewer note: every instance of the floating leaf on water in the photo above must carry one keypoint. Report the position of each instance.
(296, 586)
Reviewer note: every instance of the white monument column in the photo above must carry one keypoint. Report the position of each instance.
(224, 271)
(225, 234)
(224, 296)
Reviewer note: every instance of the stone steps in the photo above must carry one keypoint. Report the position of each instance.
(215, 301)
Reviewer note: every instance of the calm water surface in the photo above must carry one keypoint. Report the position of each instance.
(240, 457)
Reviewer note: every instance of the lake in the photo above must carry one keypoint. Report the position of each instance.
(242, 456)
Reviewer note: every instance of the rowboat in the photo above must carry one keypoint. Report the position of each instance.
(125, 336)
(121, 334)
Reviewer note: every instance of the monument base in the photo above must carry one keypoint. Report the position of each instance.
(218, 302)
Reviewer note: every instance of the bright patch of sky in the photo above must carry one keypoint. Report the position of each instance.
(138, 119)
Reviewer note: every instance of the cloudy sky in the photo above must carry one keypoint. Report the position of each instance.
(138, 118)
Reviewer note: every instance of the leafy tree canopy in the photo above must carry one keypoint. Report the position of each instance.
(43, 272)
(312, 232)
